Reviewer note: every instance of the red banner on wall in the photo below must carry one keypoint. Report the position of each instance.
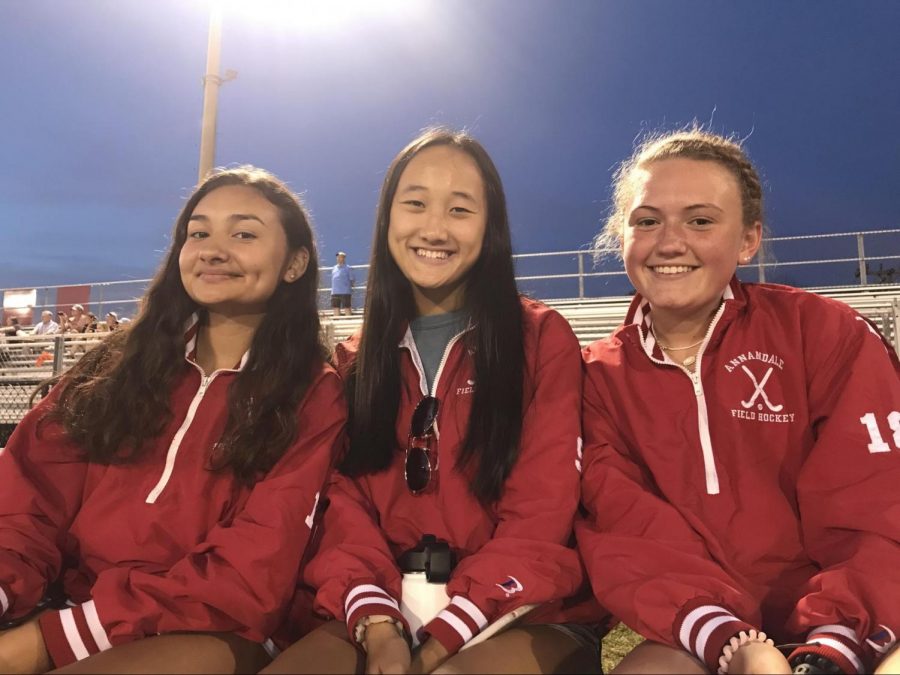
(66, 296)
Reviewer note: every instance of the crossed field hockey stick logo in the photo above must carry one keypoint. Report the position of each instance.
(759, 390)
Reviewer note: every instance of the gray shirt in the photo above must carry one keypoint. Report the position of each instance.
(432, 334)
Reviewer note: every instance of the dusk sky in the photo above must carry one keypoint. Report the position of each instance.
(102, 99)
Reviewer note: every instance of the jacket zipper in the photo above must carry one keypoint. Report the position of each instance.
(709, 460)
(417, 362)
(440, 369)
(174, 446)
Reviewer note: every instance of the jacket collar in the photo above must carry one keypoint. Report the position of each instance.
(191, 331)
(407, 340)
(640, 315)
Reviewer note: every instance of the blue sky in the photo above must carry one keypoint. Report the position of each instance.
(101, 105)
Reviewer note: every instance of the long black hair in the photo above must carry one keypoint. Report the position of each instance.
(116, 398)
(491, 445)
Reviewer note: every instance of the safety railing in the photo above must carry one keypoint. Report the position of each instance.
(863, 258)
(28, 361)
(809, 261)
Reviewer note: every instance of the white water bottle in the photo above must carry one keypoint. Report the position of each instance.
(421, 601)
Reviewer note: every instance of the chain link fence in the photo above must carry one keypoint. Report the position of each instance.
(27, 363)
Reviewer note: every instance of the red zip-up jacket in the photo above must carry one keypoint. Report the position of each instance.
(511, 554)
(761, 491)
(162, 544)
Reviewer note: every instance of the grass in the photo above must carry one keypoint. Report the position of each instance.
(617, 643)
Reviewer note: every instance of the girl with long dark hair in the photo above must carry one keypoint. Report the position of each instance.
(464, 402)
(162, 494)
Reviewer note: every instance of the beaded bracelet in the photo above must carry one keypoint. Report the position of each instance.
(359, 632)
(738, 641)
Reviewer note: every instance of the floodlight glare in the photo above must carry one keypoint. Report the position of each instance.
(314, 15)
(284, 16)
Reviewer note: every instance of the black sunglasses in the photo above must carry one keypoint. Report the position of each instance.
(421, 448)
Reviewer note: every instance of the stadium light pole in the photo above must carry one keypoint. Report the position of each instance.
(211, 83)
(316, 15)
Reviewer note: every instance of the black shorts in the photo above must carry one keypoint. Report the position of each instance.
(339, 301)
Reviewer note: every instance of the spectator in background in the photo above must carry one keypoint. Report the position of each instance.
(112, 321)
(341, 285)
(63, 320)
(79, 321)
(12, 327)
(92, 323)
(47, 326)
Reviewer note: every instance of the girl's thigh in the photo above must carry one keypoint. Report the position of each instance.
(327, 649)
(177, 653)
(653, 657)
(890, 663)
(527, 649)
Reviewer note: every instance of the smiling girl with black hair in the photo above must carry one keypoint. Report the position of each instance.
(464, 425)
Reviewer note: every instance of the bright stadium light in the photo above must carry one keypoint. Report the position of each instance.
(295, 16)
(318, 16)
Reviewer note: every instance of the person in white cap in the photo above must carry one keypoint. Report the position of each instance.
(79, 321)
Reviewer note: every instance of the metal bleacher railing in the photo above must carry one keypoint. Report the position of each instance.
(28, 360)
(592, 296)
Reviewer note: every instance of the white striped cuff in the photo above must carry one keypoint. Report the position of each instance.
(355, 607)
(471, 609)
(457, 623)
(882, 640)
(370, 591)
(94, 625)
(844, 650)
(82, 643)
(835, 629)
(830, 636)
(365, 600)
(705, 630)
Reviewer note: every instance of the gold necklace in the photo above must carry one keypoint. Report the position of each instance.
(689, 361)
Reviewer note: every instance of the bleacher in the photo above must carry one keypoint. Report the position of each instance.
(27, 361)
(590, 318)
(595, 318)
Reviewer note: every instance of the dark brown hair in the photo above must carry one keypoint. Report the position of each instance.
(116, 398)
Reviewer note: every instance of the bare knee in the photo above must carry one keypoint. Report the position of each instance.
(526, 649)
(653, 657)
(890, 663)
(327, 649)
(177, 653)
